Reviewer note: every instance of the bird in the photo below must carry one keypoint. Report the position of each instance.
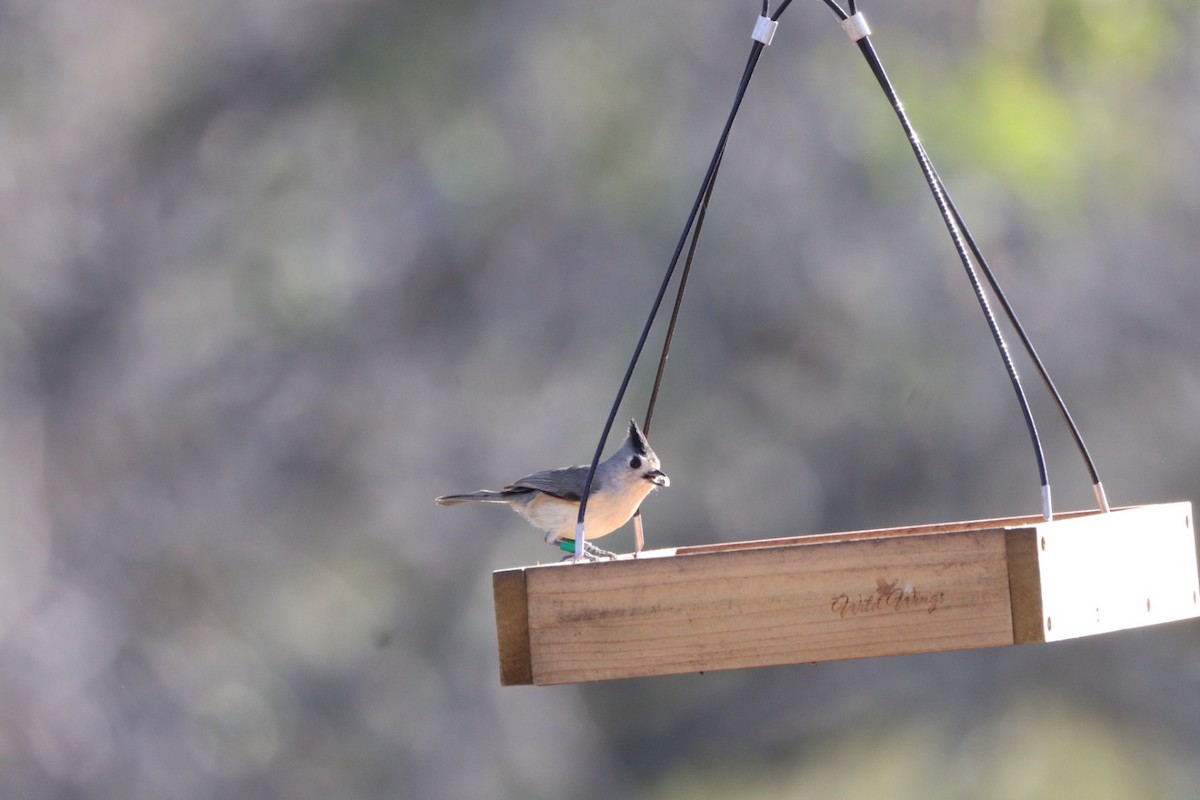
(549, 500)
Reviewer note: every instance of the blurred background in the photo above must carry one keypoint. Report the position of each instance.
(276, 274)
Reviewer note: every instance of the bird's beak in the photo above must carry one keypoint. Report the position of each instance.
(657, 477)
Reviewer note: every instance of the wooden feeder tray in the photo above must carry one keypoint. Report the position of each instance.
(834, 596)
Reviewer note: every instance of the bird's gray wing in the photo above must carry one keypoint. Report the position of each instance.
(566, 483)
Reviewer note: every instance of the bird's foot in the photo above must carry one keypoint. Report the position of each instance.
(590, 551)
(595, 552)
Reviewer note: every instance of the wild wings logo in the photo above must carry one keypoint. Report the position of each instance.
(889, 596)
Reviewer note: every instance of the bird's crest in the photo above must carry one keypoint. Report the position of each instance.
(638, 440)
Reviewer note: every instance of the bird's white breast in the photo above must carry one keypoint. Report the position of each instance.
(606, 511)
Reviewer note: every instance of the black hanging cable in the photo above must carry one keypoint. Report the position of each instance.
(638, 538)
(960, 233)
(1002, 298)
(683, 279)
(862, 39)
(693, 215)
(836, 9)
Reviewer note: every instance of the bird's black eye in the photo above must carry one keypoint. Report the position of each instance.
(635, 462)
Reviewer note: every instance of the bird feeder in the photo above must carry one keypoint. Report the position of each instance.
(830, 596)
(825, 597)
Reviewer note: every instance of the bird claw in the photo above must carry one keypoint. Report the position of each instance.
(590, 553)
(596, 553)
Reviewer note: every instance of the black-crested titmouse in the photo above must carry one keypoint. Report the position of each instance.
(550, 500)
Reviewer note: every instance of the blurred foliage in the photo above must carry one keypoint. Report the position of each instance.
(276, 274)
(1034, 751)
(1046, 95)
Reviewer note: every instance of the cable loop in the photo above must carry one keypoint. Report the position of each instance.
(963, 240)
(855, 25)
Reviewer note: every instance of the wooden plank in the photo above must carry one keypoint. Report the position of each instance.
(1107, 572)
(764, 606)
(847, 595)
(512, 627)
(877, 533)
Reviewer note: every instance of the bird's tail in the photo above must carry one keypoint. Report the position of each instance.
(482, 496)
